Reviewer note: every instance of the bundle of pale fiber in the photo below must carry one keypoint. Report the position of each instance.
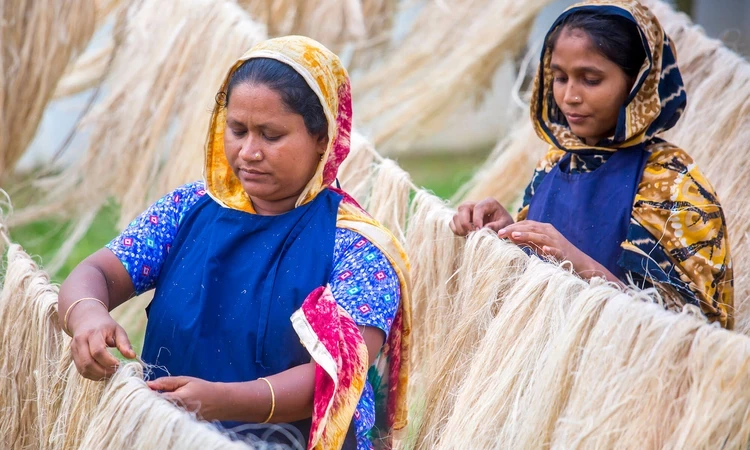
(38, 40)
(45, 404)
(449, 55)
(717, 81)
(535, 357)
(359, 25)
(160, 92)
(514, 352)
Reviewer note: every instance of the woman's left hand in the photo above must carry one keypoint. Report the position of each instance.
(202, 397)
(545, 239)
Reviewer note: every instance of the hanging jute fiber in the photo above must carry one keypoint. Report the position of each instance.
(146, 135)
(510, 352)
(46, 404)
(514, 352)
(534, 357)
(450, 55)
(37, 39)
(362, 27)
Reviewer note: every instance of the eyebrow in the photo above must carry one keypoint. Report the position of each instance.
(588, 69)
(264, 126)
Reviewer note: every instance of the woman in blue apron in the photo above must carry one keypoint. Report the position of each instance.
(275, 293)
(610, 196)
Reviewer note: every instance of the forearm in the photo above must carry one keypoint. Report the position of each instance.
(100, 276)
(251, 401)
(83, 282)
(594, 269)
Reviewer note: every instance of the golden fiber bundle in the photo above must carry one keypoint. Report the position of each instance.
(450, 55)
(47, 405)
(342, 25)
(38, 39)
(160, 94)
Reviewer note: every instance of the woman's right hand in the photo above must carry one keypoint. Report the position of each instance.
(94, 331)
(472, 216)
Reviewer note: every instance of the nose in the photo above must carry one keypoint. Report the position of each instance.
(251, 149)
(572, 94)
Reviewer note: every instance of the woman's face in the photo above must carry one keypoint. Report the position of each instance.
(269, 148)
(588, 88)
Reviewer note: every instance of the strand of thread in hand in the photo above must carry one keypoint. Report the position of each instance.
(273, 400)
(70, 308)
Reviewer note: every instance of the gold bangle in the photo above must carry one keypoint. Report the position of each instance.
(273, 400)
(70, 308)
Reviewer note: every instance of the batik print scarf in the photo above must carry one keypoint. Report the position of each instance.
(677, 239)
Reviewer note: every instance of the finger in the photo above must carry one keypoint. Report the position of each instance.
(553, 252)
(532, 225)
(499, 225)
(167, 384)
(123, 343)
(85, 364)
(464, 217)
(173, 397)
(185, 403)
(522, 226)
(98, 350)
(455, 228)
(483, 212)
(538, 240)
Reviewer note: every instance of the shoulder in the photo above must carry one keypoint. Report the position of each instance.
(192, 191)
(666, 156)
(671, 175)
(350, 242)
(181, 200)
(355, 248)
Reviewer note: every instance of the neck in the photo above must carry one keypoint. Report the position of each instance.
(275, 207)
(591, 141)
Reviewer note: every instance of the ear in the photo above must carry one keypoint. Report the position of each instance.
(322, 144)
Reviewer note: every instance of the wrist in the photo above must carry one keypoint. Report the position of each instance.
(592, 268)
(248, 401)
(82, 312)
(586, 267)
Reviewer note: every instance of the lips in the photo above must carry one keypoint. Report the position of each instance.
(576, 119)
(251, 173)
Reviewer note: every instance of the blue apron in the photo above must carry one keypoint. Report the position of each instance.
(592, 209)
(223, 301)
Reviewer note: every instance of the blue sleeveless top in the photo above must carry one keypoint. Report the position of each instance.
(362, 281)
(592, 209)
(229, 286)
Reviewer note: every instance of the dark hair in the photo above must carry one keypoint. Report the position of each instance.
(281, 78)
(615, 37)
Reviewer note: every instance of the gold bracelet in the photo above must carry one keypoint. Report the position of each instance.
(273, 400)
(70, 308)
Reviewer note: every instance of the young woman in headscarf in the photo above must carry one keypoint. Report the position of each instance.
(610, 196)
(275, 293)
